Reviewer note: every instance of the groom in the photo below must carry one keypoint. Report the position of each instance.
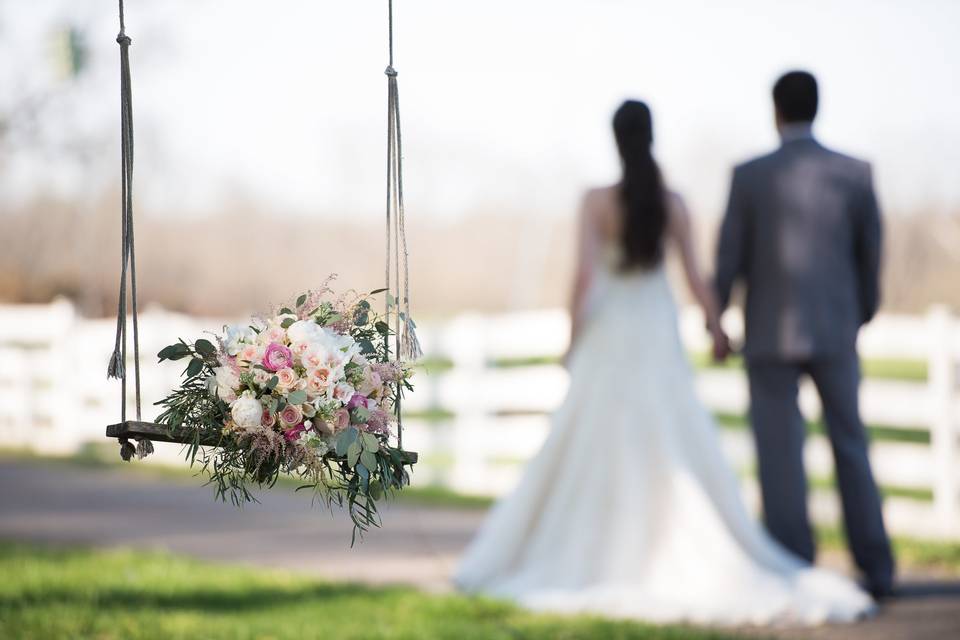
(802, 231)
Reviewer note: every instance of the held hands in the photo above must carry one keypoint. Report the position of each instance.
(721, 342)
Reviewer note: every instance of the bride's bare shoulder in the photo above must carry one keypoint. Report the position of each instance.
(601, 209)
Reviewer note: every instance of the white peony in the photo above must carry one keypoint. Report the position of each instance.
(227, 382)
(247, 411)
(235, 336)
(303, 331)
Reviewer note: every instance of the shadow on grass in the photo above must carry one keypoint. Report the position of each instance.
(210, 599)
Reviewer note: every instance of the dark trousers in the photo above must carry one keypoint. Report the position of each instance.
(779, 431)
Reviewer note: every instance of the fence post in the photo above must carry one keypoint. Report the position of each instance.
(463, 389)
(943, 429)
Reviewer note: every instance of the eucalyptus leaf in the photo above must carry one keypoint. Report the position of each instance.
(364, 474)
(286, 310)
(376, 291)
(272, 383)
(344, 440)
(382, 327)
(353, 453)
(297, 397)
(205, 348)
(359, 415)
(370, 442)
(301, 300)
(287, 322)
(369, 460)
(195, 367)
(174, 352)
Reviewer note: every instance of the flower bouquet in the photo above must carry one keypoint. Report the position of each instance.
(308, 390)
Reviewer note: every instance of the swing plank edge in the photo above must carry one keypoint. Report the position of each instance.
(163, 433)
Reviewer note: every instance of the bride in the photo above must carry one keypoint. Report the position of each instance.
(630, 509)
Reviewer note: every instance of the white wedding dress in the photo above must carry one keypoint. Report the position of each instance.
(630, 509)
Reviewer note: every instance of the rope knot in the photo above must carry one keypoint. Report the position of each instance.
(123, 39)
(390, 71)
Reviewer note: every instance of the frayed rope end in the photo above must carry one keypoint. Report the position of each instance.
(115, 368)
(410, 348)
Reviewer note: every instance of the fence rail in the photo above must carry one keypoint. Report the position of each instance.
(475, 420)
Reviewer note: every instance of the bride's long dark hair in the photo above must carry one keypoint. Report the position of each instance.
(641, 188)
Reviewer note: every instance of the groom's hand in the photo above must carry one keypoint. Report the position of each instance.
(721, 345)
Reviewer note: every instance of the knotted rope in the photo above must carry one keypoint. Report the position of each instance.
(397, 266)
(117, 366)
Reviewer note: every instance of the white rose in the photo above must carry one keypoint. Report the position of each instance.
(247, 411)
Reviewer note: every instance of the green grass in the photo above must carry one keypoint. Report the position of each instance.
(911, 553)
(48, 594)
(886, 433)
(904, 369)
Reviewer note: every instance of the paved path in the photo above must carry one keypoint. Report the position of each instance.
(60, 504)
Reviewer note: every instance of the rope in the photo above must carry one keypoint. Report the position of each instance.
(117, 367)
(406, 347)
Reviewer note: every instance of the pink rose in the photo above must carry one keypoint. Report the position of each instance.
(277, 357)
(268, 419)
(291, 415)
(249, 353)
(312, 359)
(343, 419)
(286, 379)
(293, 433)
(300, 348)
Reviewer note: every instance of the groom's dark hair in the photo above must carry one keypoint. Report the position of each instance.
(795, 96)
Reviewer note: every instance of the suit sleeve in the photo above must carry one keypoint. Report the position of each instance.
(869, 242)
(732, 244)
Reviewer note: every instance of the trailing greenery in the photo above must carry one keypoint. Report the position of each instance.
(125, 595)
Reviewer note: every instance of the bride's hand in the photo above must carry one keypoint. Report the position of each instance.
(721, 343)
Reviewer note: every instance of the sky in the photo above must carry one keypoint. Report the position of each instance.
(505, 103)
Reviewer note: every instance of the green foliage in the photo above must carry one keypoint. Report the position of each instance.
(58, 594)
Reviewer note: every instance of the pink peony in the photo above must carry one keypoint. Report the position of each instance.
(358, 401)
(277, 357)
(293, 433)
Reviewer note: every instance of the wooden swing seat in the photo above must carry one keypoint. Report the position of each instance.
(163, 433)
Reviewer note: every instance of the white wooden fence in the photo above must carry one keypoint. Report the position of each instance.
(475, 423)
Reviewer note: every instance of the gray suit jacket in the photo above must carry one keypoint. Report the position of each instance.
(802, 231)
